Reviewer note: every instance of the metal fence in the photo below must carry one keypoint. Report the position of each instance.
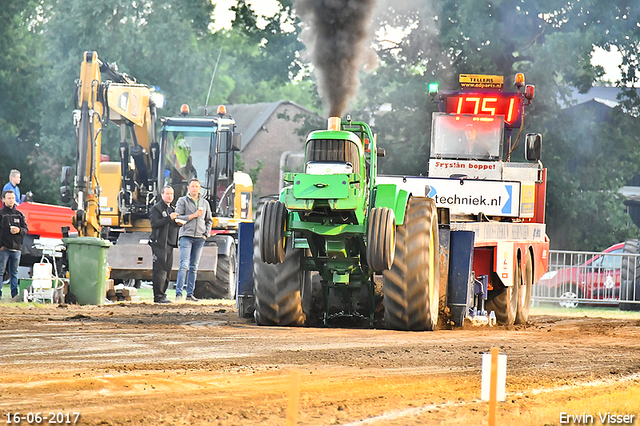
(591, 278)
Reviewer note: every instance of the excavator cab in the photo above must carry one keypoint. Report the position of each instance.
(183, 159)
(201, 148)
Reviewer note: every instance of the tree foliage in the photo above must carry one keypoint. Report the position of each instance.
(162, 43)
(552, 43)
(170, 44)
(20, 67)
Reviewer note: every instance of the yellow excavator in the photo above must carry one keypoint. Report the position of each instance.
(112, 199)
(128, 104)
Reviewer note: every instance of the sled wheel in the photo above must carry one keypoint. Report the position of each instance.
(524, 292)
(411, 286)
(504, 301)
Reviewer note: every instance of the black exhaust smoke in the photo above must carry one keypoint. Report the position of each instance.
(336, 38)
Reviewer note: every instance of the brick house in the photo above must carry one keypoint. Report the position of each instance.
(270, 135)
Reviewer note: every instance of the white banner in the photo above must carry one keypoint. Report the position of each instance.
(464, 196)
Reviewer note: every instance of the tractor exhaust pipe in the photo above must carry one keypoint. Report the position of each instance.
(334, 123)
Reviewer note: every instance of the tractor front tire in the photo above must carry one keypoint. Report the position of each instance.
(411, 286)
(272, 239)
(278, 288)
(381, 239)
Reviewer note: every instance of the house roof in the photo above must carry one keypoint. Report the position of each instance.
(250, 118)
(605, 95)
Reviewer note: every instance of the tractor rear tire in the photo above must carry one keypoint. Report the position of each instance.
(504, 302)
(524, 292)
(278, 288)
(381, 239)
(412, 285)
(630, 277)
(272, 240)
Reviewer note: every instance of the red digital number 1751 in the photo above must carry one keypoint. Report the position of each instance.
(481, 105)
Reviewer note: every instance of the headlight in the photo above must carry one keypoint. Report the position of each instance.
(157, 97)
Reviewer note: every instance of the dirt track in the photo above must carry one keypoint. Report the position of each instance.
(132, 364)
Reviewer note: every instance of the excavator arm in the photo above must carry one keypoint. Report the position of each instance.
(88, 126)
(124, 102)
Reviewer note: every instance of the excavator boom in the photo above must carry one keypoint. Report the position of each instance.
(124, 102)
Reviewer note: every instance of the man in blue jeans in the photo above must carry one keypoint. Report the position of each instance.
(13, 227)
(194, 213)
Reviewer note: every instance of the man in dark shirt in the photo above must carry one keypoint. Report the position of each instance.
(164, 237)
(13, 227)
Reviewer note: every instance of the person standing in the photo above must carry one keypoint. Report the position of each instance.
(12, 185)
(195, 212)
(163, 239)
(13, 227)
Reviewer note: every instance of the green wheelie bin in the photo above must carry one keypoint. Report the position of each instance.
(87, 269)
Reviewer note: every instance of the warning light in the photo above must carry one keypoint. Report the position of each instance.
(222, 110)
(530, 92)
(184, 109)
(433, 91)
(519, 80)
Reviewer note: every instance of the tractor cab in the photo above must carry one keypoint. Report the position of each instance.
(334, 171)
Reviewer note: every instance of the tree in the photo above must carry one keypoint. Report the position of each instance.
(133, 34)
(162, 43)
(268, 60)
(594, 151)
(19, 70)
(551, 42)
(169, 44)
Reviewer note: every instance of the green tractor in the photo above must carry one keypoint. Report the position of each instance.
(335, 219)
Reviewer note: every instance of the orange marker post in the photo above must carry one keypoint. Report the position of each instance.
(294, 398)
(493, 389)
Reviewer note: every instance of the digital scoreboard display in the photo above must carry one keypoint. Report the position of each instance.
(507, 105)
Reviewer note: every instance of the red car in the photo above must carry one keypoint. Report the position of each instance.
(573, 280)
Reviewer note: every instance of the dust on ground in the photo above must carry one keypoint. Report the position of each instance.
(140, 363)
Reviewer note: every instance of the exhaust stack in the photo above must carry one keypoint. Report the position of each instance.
(334, 123)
